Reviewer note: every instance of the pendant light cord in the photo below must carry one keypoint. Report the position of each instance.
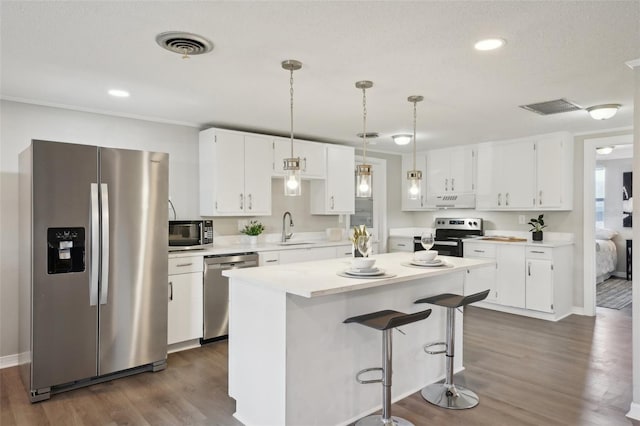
(414, 134)
(291, 95)
(364, 126)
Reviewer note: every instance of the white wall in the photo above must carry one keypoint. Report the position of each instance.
(613, 206)
(22, 122)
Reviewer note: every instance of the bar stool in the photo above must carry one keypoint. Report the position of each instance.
(447, 394)
(385, 321)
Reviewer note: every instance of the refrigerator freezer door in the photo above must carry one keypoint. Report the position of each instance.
(133, 311)
(63, 323)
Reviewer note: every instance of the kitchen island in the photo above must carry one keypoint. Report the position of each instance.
(292, 361)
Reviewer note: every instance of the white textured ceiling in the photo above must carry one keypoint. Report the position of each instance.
(70, 53)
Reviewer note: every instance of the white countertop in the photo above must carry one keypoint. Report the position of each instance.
(319, 278)
(546, 243)
(222, 249)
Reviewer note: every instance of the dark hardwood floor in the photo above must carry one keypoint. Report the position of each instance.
(526, 371)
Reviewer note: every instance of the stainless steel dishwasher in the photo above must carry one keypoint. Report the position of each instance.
(216, 291)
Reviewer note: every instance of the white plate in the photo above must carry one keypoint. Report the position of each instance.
(363, 270)
(427, 264)
(360, 273)
(436, 262)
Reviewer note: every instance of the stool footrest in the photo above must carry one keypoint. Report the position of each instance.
(367, 370)
(430, 352)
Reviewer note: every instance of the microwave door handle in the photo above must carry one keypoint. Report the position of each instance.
(95, 246)
(104, 290)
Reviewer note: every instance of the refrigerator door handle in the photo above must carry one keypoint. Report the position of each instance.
(104, 289)
(95, 246)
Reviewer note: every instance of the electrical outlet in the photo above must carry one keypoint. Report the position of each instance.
(521, 220)
(340, 218)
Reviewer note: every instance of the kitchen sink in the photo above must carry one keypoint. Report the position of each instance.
(293, 243)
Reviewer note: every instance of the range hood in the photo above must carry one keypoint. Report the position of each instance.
(450, 201)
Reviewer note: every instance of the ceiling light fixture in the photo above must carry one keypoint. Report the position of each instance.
(603, 112)
(604, 150)
(118, 93)
(414, 176)
(402, 139)
(490, 44)
(292, 182)
(363, 171)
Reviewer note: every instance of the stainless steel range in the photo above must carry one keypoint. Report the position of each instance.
(451, 231)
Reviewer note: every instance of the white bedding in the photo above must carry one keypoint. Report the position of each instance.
(606, 259)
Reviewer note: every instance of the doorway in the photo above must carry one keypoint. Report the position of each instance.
(603, 238)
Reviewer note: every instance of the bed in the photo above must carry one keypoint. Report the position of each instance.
(606, 255)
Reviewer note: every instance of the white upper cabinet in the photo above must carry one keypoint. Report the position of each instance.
(312, 157)
(235, 174)
(336, 193)
(526, 174)
(407, 164)
(450, 173)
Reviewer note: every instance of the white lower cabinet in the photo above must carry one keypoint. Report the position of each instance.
(527, 279)
(185, 313)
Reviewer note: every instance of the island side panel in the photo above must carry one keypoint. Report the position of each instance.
(323, 354)
(257, 352)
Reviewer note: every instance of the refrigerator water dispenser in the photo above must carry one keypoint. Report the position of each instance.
(65, 250)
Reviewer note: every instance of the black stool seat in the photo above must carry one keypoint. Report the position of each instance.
(449, 300)
(384, 320)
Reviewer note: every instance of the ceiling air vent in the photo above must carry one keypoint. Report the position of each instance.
(186, 44)
(552, 107)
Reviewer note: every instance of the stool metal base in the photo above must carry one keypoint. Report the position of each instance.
(447, 396)
(376, 420)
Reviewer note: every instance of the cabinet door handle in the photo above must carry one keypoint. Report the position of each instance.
(422, 201)
(250, 201)
(170, 290)
(446, 184)
(271, 260)
(304, 169)
(479, 251)
(402, 245)
(180, 265)
(506, 199)
(453, 182)
(499, 199)
(529, 268)
(241, 202)
(333, 202)
(540, 197)
(537, 251)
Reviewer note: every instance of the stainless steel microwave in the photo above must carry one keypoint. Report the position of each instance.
(190, 234)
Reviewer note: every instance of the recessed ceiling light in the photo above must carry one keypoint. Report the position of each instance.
(401, 139)
(119, 93)
(490, 44)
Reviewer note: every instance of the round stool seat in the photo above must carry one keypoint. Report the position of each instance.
(449, 300)
(387, 319)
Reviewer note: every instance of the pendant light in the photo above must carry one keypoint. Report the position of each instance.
(414, 176)
(363, 171)
(292, 182)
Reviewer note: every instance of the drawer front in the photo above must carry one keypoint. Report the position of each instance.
(400, 244)
(479, 250)
(269, 258)
(539, 253)
(344, 251)
(185, 265)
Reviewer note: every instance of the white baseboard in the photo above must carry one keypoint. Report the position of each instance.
(8, 361)
(578, 310)
(634, 411)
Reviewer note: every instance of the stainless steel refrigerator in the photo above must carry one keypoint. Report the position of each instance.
(93, 264)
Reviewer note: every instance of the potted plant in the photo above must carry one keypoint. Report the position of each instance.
(252, 230)
(537, 226)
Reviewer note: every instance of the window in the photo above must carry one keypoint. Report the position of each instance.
(600, 179)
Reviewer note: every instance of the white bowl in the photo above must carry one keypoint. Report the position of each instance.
(362, 262)
(425, 255)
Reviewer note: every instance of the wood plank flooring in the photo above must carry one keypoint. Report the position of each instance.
(526, 371)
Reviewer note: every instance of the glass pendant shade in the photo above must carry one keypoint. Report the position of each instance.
(363, 181)
(292, 181)
(415, 181)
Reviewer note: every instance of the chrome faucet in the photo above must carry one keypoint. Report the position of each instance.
(286, 236)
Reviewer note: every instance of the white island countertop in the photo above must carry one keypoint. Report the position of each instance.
(320, 278)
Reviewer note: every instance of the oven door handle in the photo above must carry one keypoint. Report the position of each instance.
(446, 243)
